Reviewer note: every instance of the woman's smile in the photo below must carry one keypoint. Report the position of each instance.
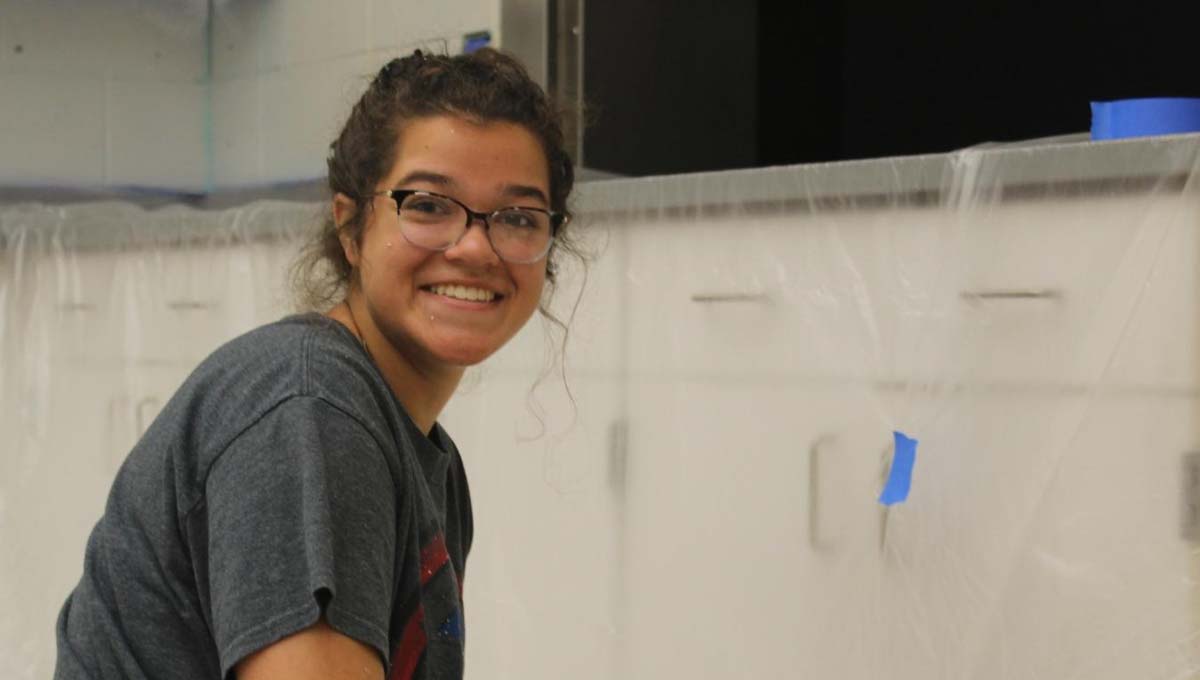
(466, 292)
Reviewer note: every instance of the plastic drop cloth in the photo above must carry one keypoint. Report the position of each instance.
(704, 501)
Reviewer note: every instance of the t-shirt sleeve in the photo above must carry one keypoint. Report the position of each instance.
(301, 520)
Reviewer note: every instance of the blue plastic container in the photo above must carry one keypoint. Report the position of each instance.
(1145, 117)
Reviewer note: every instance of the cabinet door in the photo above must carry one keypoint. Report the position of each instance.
(838, 296)
(1054, 291)
(543, 459)
(540, 578)
(747, 505)
(764, 359)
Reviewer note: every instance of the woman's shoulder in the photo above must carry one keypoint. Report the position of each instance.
(287, 336)
(305, 355)
(292, 344)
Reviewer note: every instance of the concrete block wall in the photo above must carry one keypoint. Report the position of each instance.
(98, 95)
(120, 93)
(285, 74)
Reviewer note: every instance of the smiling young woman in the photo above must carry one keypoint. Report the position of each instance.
(426, 314)
(296, 511)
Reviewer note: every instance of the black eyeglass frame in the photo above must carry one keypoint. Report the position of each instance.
(557, 220)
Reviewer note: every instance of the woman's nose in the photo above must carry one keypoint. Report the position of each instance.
(474, 246)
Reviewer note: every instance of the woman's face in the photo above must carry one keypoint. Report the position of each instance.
(415, 296)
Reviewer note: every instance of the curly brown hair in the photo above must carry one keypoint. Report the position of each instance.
(484, 86)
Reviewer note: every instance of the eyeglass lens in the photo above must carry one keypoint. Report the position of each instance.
(436, 222)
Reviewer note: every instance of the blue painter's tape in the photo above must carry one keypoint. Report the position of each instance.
(1145, 117)
(476, 41)
(900, 479)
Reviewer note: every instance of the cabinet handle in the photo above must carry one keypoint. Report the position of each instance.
(118, 408)
(885, 463)
(729, 297)
(818, 542)
(618, 456)
(1191, 497)
(1015, 294)
(142, 420)
(189, 305)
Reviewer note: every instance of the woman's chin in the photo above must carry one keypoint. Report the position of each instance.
(465, 354)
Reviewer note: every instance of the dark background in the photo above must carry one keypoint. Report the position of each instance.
(691, 85)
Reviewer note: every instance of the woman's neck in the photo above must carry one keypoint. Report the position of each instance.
(423, 391)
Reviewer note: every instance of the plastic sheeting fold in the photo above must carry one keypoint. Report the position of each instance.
(746, 346)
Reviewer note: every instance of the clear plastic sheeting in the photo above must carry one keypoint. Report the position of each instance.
(704, 501)
(104, 309)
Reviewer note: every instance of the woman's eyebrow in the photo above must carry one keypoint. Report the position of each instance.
(428, 177)
(445, 181)
(525, 191)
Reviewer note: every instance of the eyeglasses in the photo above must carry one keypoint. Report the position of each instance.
(519, 235)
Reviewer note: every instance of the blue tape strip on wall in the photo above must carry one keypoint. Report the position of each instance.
(473, 42)
(900, 479)
(1145, 117)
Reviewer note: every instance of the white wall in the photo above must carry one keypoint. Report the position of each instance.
(96, 94)
(287, 73)
(119, 93)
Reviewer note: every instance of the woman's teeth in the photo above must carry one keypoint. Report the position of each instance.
(464, 293)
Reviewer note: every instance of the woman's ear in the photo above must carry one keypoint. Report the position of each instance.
(344, 209)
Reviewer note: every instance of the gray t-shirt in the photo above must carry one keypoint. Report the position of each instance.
(281, 482)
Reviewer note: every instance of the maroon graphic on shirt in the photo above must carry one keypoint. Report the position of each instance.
(414, 640)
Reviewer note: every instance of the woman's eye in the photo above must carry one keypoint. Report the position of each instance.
(428, 206)
(518, 219)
